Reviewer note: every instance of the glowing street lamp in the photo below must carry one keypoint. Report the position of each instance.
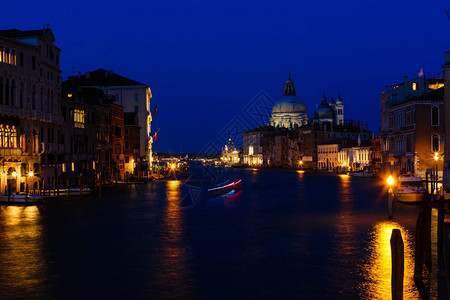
(14, 174)
(390, 181)
(31, 174)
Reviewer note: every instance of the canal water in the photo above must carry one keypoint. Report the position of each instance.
(284, 235)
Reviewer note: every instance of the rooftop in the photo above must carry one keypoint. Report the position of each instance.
(100, 78)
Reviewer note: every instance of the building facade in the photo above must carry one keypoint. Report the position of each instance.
(31, 147)
(132, 143)
(132, 95)
(412, 126)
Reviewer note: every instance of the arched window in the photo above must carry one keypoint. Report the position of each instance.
(7, 92)
(42, 99)
(13, 137)
(6, 137)
(435, 116)
(2, 134)
(13, 93)
(33, 98)
(2, 88)
(21, 96)
(435, 140)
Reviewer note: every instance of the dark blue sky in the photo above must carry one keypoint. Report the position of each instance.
(206, 60)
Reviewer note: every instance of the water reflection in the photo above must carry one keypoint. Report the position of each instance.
(174, 275)
(376, 269)
(21, 259)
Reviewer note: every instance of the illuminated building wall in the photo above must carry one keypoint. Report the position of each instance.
(132, 142)
(412, 126)
(132, 95)
(446, 109)
(29, 109)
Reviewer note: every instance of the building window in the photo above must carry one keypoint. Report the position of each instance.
(136, 97)
(414, 86)
(136, 108)
(435, 116)
(21, 59)
(126, 145)
(127, 159)
(435, 143)
(78, 118)
(33, 63)
(250, 150)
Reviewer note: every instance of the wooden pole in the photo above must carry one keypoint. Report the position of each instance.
(398, 264)
(100, 186)
(81, 188)
(440, 229)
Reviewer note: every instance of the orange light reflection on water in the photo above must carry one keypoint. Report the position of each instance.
(173, 272)
(377, 266)
(22, 257)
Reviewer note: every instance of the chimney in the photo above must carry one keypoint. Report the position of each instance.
(447, 57)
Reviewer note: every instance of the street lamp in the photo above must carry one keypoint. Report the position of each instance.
(14, 174)
(300, 163)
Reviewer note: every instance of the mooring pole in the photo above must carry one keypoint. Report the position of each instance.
(398, 264)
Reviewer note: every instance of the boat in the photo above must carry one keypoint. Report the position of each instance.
(64, 192)
(410, 189)
(21, 199)
(223, 187)
(363, 173)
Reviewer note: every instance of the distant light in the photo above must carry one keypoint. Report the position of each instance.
(301, 162)
(173, 166)
(30, 173)
(344, 164)
(69, 95)
(390, 181)
(14, 174)
(436, 156)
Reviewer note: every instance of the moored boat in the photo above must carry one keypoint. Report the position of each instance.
(410, 189)
(21, 199)
(363, 173)
(66, 192)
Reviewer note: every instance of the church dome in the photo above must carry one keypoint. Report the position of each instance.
(289, 104)
(324, 112)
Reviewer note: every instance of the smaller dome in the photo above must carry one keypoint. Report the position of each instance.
(324, 112)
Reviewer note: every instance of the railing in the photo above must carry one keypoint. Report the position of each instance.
(10, 151)
(26, 113)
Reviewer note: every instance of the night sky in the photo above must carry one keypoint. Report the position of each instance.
(205, 61)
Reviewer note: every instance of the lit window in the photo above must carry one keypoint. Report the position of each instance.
(78, 118)
(69, 95)
(250, 150)
(414, 86)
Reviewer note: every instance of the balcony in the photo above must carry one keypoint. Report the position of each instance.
(10, 152)
(26, 113)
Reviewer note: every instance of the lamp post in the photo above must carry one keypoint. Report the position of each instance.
(30, 174)
(436, 158)
(300, 164)
(390, 182)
